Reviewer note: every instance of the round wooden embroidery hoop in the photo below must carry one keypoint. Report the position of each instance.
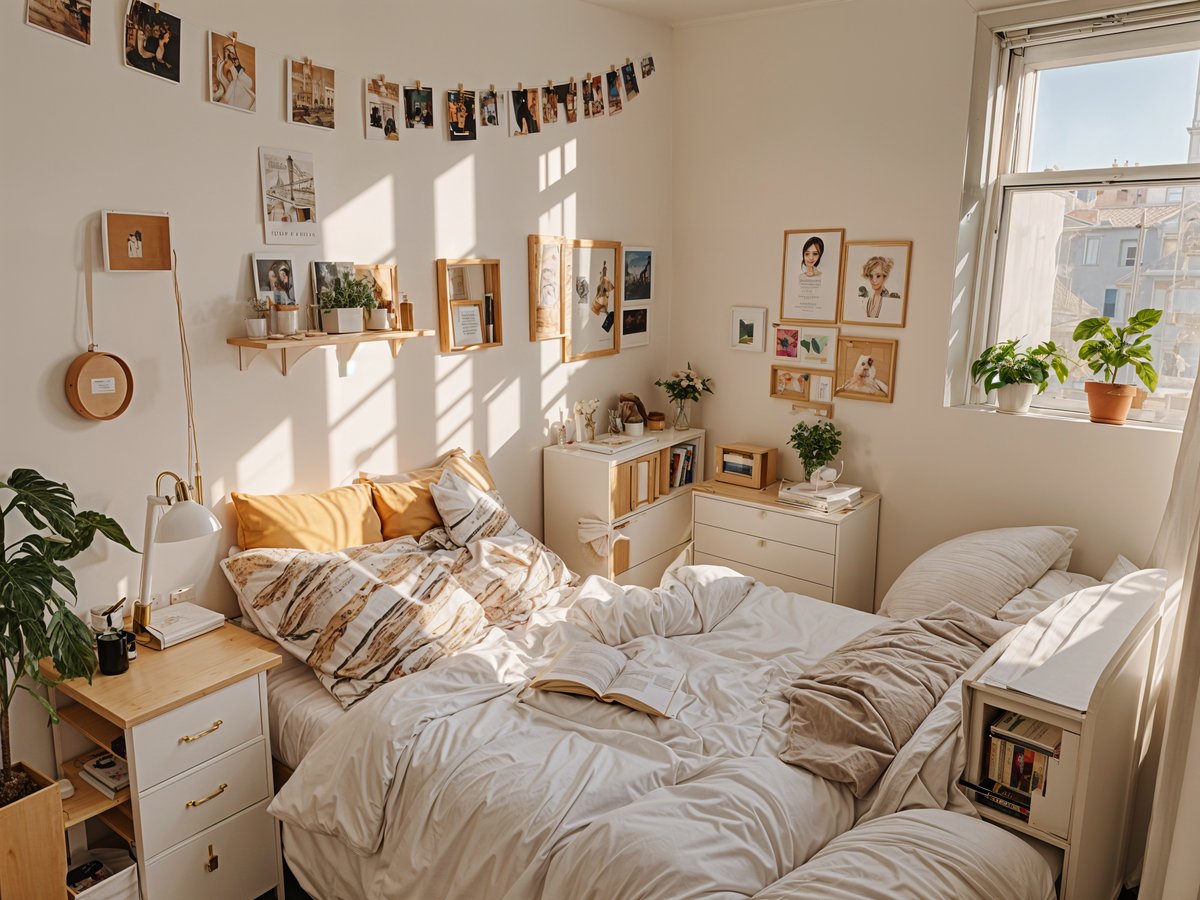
(99, 385)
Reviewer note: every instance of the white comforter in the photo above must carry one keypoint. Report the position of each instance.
(458, 782)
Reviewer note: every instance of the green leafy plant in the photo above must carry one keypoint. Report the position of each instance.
(685, 384)
(35, 619)
(1107, 349)
(1006, 363)
(817, 445)
(347, 292)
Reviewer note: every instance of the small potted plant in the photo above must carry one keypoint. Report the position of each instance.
(1017, 373)
(817, 445)
(682, 386)
(256, 316)
(1106, 350)
(342, 304)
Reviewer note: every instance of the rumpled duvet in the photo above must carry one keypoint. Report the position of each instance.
(459, 782)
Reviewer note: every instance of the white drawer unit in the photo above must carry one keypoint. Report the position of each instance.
(632, 493)
(829, 557)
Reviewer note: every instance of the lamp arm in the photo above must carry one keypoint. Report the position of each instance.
(154, 505)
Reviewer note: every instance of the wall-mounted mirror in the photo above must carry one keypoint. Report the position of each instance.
(469, 316)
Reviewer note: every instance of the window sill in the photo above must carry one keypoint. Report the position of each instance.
(1067, 416)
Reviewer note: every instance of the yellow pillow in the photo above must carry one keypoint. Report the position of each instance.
(407, 507)
(331, 520)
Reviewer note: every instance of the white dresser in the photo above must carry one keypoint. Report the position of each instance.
(194, 721)
(826, 556)
(629, 493)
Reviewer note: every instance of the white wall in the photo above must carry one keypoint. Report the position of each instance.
(82, 133)
(853, 114)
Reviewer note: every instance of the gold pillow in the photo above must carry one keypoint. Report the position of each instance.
(331, 520)
(407, 508)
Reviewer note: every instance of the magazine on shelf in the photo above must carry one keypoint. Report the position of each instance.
(596, 670)
(615, 443)
(1031, 732)
(830, 499)
(106, 773)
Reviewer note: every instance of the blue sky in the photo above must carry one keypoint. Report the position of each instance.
(1133, 109)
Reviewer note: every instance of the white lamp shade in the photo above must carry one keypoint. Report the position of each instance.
(185, 520)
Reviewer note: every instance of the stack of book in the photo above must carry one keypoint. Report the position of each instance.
(614, 443)
(1019, 751)
(826, 500)
(106, 773)
(683, 459)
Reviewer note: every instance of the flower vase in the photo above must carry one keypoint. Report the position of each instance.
(589, 425)
(681, 416)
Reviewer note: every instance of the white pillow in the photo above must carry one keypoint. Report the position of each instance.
(1050, 587)
(1119, 569)
(981, 571)
(468, 513)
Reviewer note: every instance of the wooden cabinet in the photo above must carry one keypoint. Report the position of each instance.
(829, 557)
(631, 493)
(196, 739)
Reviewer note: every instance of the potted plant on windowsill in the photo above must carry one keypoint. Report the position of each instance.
(343, 304)
(1016, 374)
(1106, 350)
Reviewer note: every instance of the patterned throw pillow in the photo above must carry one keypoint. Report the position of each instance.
(360, 617)
(512, 577)
(469, 513)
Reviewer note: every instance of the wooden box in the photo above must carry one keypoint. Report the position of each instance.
(747, 465)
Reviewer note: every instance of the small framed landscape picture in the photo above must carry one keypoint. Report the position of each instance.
(866, 369)
(876, 283)
(748, 328)
(801, 385)
(635, 326)
(136, 242)
(639, 274)
(812, 275)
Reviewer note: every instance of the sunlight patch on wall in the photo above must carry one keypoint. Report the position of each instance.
(503, 415)
(363, 229)
(551, 168)
(370, 424)
(453, 403)
(269, 467)
(454, 210)
(551, 221)
(569, 149)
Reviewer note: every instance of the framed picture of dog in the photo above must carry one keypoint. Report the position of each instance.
(812, 275)
(866, 369)
(876, 283)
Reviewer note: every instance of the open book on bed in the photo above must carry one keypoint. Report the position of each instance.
(605, 673)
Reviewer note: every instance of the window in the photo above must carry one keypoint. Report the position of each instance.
(1090, 194)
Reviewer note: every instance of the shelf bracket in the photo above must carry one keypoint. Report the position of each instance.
(283, 357)
(396, 344)
(345, 352)
(245, 357)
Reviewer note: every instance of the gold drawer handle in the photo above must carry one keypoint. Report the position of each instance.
(188, 738)
(215, 793)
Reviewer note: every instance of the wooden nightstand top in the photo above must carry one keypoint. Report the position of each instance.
(769, 497)
(161, 680)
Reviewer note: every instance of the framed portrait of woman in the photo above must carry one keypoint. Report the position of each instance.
(812, 275)
(876, 283)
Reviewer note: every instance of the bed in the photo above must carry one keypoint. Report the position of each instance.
(458, 781)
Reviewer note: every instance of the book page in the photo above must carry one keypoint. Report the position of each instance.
(590, 664)
(650, 687)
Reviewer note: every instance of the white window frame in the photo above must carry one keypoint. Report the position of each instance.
(1091, 249)
(1009, 53)
(1125, 259)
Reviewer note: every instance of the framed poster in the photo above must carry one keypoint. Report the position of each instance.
(748, 328)
(876, 283)
(866, 369)
(136, 242)
(549, 275)
(812, 275)
(289, 196)
(594, 308)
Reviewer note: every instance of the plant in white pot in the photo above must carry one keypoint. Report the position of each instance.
(343, 304)
(817, 445)
(1016, 374)
(1106, 350)
(258, 309)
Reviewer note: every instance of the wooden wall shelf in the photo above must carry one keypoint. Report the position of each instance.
(248, 348)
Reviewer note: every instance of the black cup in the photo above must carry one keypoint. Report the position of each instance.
(110, 648)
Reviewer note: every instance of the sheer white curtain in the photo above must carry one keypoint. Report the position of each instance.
(1172, 864)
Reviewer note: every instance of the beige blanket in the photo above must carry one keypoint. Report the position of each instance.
(853, 711)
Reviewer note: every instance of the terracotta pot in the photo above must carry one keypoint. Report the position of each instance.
(33, 856)
(1015, 398)
(1109, 404)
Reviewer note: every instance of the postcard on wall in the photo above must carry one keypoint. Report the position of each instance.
(635, 326)
(816, 347)
(639, 274)
(326, 274)
(289, 196)
(811, 275)
(524, 111)
(614, 92)
(593, 96)
(460, 115)
(748, 328)
(152, 38)
(492, 108)
(568, 96)
(72, 21)
(629, 77)
(310, 93)
(876, 285)
(418, 107)
(549, 105)
(647, 66)
(273, 279)
(866, 369)
(382, 99)
(232, 72)
(382, 278)
(136, 242)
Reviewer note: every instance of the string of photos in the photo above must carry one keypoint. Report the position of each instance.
(153, 37)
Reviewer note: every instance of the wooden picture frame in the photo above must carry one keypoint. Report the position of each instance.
(136, 241)
(859, 304)
(812, 293)
(866, 369)
(807, 386)
(592, 321)
(549, 275)
(470, 318)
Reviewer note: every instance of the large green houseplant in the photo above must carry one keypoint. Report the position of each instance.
(1016, 373)
(1106, 350)
(35, 618)
(343, 304)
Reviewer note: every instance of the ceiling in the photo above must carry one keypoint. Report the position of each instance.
(685, 12)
